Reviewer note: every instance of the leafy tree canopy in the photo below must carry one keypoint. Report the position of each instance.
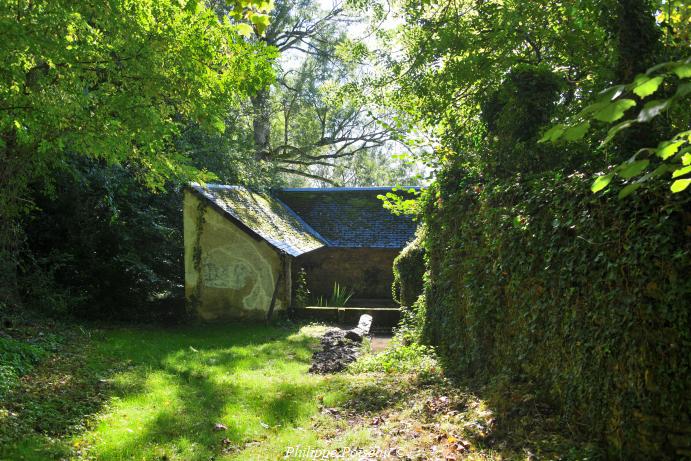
(115, 80)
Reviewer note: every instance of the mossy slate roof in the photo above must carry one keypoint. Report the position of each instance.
(263, 216)
(350, 217)
(300, 220)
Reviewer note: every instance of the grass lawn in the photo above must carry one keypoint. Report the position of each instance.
(162, 393)
(242, 392)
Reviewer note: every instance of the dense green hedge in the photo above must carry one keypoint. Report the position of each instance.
(408, 270)
(584, 295)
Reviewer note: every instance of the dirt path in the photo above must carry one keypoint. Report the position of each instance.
(379, 342)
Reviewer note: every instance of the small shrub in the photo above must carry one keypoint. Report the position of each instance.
(302, 293)
(321, 301)
(339, 297)
(412, 323)
(398, 358)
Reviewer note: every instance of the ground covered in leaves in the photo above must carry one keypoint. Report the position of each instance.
(244, 392)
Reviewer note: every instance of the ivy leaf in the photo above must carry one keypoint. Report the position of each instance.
(662, 169)
(628, 190)
(645, 86)
(614, 110)
(601, 182)
(667, 149)
(553, 133)
(682, 70)
(652, 109)
(633, 169)
(683, 90)
(679, 185)
(574, 133)
(244, 29)
(681, 171)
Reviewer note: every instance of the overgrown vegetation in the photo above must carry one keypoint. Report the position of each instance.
(573, 293)
(532, 280)
(17, 358)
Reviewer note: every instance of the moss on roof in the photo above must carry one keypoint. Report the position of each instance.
(264, 216)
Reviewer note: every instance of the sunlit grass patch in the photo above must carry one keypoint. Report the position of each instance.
(218, 391)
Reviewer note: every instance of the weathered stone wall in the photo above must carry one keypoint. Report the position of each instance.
(228, 273)
(367, 271)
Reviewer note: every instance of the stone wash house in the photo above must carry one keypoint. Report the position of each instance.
(243, 249)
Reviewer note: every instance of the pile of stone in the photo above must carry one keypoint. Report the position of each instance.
(340, 347)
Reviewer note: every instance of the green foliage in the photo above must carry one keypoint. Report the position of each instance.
(397, 358)
(579, 294)
(113, 83)
(408, 271)
(513, 116)
(301, 293)
(321, 301)
(410, 328)
(17, 358)
(671, 156)
(340, 295)
(473, 72)
(109, 246)
(530, 275)
(119, 86)
(401, 203)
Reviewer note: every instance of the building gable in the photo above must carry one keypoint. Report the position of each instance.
(262, 216)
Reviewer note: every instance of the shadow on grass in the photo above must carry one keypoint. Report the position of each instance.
(158, 393)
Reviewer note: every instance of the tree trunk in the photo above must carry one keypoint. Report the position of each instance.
(13, 179)
(638, 45)
(262, 124)
(637, 39)
(10, 238)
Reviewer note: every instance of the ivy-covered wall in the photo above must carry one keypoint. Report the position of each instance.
(583, 295)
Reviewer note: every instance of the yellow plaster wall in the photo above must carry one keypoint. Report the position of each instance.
(238, 273)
